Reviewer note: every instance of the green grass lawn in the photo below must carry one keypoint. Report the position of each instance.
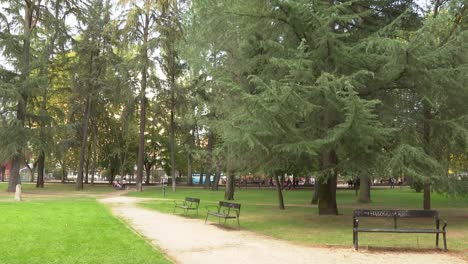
(301, 223)
(51, 188)
(68, 230)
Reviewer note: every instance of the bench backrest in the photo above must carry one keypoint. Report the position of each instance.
(396, 213)
(192, 200)
(230, 205)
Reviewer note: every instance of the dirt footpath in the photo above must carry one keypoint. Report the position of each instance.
(187, 240)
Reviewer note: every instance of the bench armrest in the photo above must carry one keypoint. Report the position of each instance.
(355, 223)
(182, 203)
(445, 225)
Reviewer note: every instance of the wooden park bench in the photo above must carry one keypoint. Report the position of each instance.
(226, 210)
(396, 214)
(188, 204)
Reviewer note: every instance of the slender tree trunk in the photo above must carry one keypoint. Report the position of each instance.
(189, 157)
(93, 164)
(40, 170)
(64, 172)
(364, 189)
(22, 102)
(202, 171)
(316, 191)
(427, 110)
(144, 76)
(86, 181)
(427, 196)
(209, 159)
(189, 169)
(216, 179)
(14, 173)
(279, 192)
(84, 140)
(172, 143)
(2, 173)
(229, 193)
(148, 173)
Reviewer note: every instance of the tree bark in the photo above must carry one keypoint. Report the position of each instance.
(189, 169)
(216, 179)
(364, 189)
(316, 191)
(148, 173)
(14, 173)
(427, 196)
(209, 160)
(144, 76)
(93, 164)
(22, 102)
(327, 194)
(64, 172)
(279, 192)
(40, 170)
(230, 181)
(84, 140)
(172, 143)
(427, 110)
(2, 173)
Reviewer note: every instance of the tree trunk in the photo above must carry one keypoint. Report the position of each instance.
(141, 146)
(86, 181)
(22, 102)
(189, 169)
(202, 171)
(144, 76)
(148, 173)
(93, 165)
(279, 192)
(229, 193)
(327, 194)
(216, 179)
(209, 160)
(316, 191)
(40, 170)
(364, 189)
(2, 173)
(172, 143)
(14, 173)
(427, 110)
(427, 196)
(84, 140)
(64, 172)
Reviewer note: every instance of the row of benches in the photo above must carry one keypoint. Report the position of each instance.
(224, 210)
(229, 210)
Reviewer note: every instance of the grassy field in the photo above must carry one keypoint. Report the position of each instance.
(67, 229)
(301, 223)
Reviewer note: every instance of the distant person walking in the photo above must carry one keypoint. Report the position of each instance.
(124, 183)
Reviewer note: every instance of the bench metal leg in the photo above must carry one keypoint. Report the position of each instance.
(238, 224)
(206, 218)
(445, 241)
(437, 240)
(356, 241)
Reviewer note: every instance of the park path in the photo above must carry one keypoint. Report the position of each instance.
(187, 241)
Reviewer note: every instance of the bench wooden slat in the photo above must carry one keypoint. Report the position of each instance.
(189, 203)
(392, 230)
(396, 214)
(224, 211)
